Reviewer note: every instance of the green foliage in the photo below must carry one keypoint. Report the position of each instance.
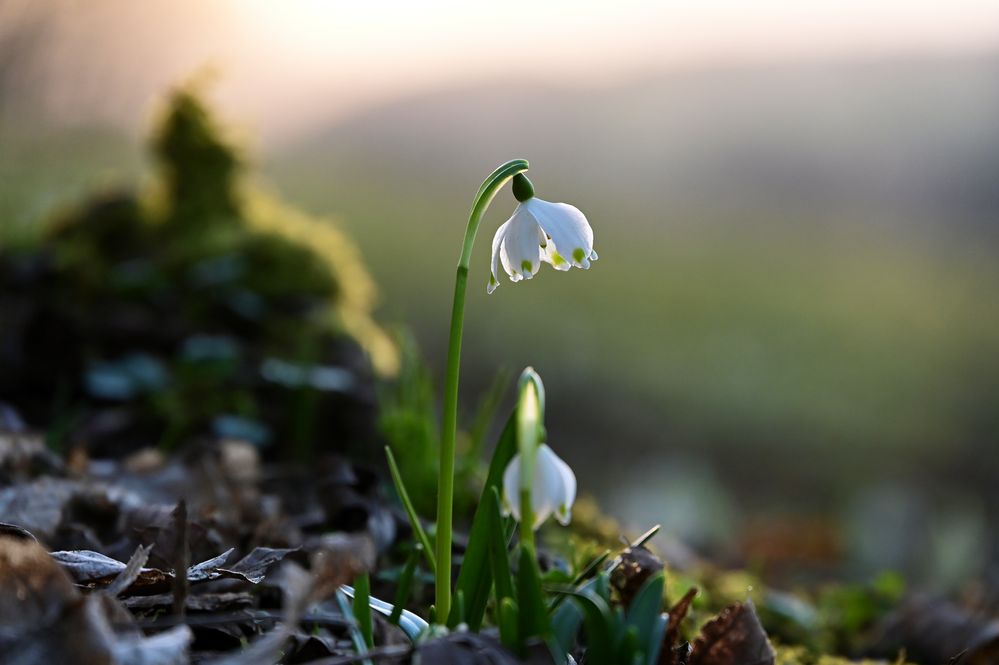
(405, 583)
(614, 635)
(423, 541)
(474, 579)
(362, 608)
(531, 605)
(408, 417)
(356, 635)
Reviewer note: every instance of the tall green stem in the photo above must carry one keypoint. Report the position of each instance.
(445, 482)
(530, 418)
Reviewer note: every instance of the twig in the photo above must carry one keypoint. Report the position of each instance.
(181, 560)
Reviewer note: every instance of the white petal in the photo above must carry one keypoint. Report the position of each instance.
(557, 261)
(548, 487)
(553, 488)
(564, 512)
(567, 227)
(521, 245)
(494, 271)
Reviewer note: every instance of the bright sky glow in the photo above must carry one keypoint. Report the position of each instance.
(289, 64)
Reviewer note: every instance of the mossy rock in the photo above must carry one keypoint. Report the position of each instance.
(174, 305)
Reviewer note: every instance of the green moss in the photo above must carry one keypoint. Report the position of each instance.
(203, 253)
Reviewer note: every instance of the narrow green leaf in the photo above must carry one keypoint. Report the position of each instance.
(654, 640)
(508, 621)
(565, 626)
(599, 622)
(405, 584)
(414, 519)
(590, 568)
(458, 607)
(627, 651)
(568, 617)
(499, 556)
(645, 616)
(601, 587)
(411, 624)
(362, 608)
(474, 579)
(360, 645)
(530, 600)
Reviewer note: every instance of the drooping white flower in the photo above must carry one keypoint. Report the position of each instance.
(556, 233)
(553, 488)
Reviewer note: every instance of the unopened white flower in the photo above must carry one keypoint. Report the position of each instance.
(556, 233)
(553, 488)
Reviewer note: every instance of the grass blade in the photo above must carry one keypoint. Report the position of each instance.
(355, 632)
(530, 600)
(405, 584)
(414, 519)
(475, 580)
(499, 556)
(362, 608)
(410, 623)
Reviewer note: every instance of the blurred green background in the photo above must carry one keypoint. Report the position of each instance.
(794, 320)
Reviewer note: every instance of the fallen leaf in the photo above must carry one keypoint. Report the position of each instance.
(208, 570)
(130, 573)
(255, 565)
(672, 652)
(734, 637)
(931, 630)
(637, 565)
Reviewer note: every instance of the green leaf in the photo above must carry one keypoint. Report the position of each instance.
(356, 636)
(405, 584)
(645, 616)
(499, 556)
(582, 576)
(565, 625)
(531, 601)
(628, 648)
(508, 620)
(600, 627)
(414, 519)
(362, 608)
(411, 624)
(458, 607)
(474, 578)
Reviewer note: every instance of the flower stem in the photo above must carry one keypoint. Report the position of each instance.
(445, 482)
(530, 416)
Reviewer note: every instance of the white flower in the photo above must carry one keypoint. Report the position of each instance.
(556, 233)
(552, 491)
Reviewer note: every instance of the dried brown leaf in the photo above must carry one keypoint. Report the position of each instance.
(734, 637)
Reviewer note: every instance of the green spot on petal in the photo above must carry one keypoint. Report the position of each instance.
(578, 254)
(558, 260)
(525, 266)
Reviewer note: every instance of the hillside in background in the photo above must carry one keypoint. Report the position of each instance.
(901, 140)
(796, 264)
